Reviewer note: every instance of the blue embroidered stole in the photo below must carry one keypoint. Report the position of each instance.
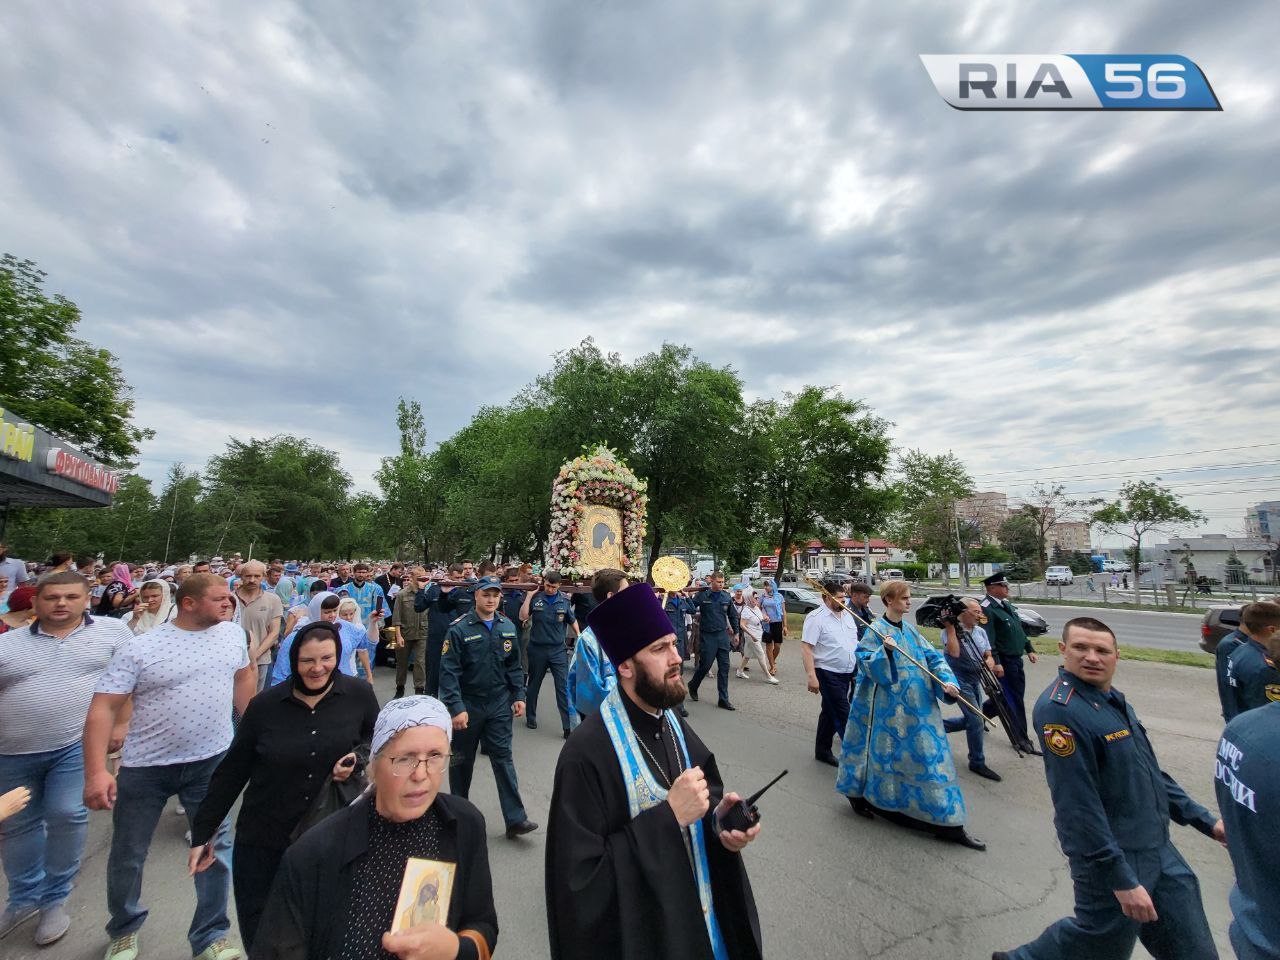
(645, 792)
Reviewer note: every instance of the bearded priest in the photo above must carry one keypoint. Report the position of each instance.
(639, 866)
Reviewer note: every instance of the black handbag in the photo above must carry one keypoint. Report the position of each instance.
(335, 795)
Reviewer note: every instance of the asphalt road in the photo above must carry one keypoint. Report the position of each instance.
(826, 882)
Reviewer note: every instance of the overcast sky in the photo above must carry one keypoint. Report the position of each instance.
(281, 216)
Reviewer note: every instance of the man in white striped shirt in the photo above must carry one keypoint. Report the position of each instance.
(47, 675)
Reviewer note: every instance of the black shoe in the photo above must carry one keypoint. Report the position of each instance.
(829, 760)
(982, 770)
(399, 693)
(566, 734)
(531, 724)
(520, 829)
(726, 705)
(861, 808)
(999, 955)
(683, 711)
(693, 694)
(963, 838)
(420, 691)
(1032, 749)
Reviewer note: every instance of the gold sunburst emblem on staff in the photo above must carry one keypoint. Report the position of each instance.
(670, 574)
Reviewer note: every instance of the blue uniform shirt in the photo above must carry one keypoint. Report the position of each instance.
(1247, 781)
(716, 612)
(1252, 679)
(512, 601)
(480, 664)
(458, 601)
(550, 615)
(1109, 794)
(676, 607)
(1226, 646)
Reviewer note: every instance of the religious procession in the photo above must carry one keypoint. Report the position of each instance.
(357, 833)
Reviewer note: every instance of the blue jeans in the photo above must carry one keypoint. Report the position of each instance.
(968, 721)
(42, 845)
(141, 794)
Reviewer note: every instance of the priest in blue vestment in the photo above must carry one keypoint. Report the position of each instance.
(895, 762)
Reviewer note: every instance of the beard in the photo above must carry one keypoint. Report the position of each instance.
(660, 692)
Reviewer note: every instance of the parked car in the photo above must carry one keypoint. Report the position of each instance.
(1058, 575)
(799, 599)
(1115, 566)
(1217, 623)
(892, 574)
(1033, 625)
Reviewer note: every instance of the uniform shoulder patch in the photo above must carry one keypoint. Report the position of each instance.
(444, 647)
(1059, 739)
(506, 646)
(1062, 692)
(1272, 691)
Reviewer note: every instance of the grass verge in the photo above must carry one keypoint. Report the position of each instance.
(1048, 646)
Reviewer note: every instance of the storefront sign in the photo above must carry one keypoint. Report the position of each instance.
(17, 440)
(79, 470)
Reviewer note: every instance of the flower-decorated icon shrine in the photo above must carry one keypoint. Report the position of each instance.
(597, 516)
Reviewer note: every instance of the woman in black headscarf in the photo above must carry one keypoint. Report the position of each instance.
(291, 738)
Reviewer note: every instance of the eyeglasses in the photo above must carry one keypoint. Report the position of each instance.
(404, 766)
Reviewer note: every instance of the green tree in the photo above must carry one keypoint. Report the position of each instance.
(819, 461)
(1020, 536)
(687, 417)
(1046, 507)
(178, 513)
(928, 488)
(283, 495)
(1142, 508)
(412, 503)
(47, 376)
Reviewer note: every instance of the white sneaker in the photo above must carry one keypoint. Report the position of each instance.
(742, 676)
(180, 810)
(773, 680)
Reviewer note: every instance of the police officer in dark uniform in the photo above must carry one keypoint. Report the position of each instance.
(1009, 642)
(1112, 806)
(438, 620)
(512, 601)
(676, 607)
(1252, 678)
(551, 623)
(482, 685)
(717, 621)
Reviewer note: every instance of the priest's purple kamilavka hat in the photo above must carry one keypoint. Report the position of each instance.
(628, 622)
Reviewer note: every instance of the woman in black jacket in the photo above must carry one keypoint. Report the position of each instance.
(337, 889)
(291, 738)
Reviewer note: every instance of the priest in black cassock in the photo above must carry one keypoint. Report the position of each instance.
(638, 866)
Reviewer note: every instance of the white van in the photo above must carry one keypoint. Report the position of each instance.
(891, 574)
(1058, 575)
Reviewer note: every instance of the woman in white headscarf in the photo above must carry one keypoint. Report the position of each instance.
(154, 607)
(337, 890)
(753, 620)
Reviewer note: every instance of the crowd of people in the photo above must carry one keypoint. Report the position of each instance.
(124, 687)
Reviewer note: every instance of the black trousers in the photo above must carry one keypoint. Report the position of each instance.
(714, 649)
(835, 690)
(1014, 684)
(253, 870)
(544, 658)
(434, 643)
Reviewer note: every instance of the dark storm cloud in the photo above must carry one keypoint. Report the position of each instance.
(283, 216)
